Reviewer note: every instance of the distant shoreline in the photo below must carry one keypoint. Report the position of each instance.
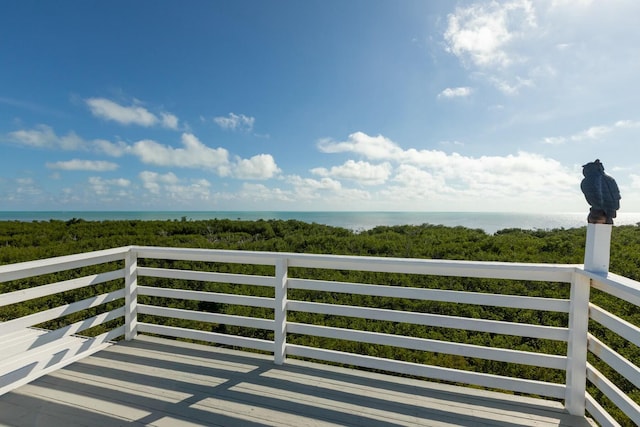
(490, 222)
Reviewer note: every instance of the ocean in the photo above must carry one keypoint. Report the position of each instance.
(490, 222)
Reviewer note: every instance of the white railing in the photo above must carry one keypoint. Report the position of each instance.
(32, 352)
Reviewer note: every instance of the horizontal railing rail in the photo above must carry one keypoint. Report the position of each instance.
(294, 288)
(29, 351)
(626, 290)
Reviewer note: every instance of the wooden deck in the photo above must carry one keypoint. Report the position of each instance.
(158, 382)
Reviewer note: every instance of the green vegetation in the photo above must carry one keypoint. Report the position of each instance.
(22, 241)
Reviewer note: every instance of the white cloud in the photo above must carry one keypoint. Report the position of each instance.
(562, 46)
(261, 166)
(169, 187)
(418, 179)
(43, 136)
(194, 154)
(625, 124)
(130, 115)
(554, 140)
(102, 187)
(483, 32)
(109, 110)
(83, 165)
(436, 177)
(511, 87)
(252, 192)
(152, 181)
(169, 121)
(592, 133)
(235, 122)
(455, 92)
(19, 190)
(114, 149)
(314, 184)
(363, 172)
(325, 192)
(496, 40)
(372, 147)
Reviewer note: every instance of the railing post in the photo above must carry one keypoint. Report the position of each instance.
(597, 249)
(131, 295)
(575, 395)
(280, 315)
(596, 260)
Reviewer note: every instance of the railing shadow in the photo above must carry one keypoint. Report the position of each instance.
(286, 381)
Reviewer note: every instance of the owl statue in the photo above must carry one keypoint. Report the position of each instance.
(601, 192)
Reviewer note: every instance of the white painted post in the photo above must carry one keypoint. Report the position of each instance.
(131, 295)
(596, 254)
(575, 394)
(596, 260)
(280, 315)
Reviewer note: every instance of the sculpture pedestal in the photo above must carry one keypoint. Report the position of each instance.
(597, 248)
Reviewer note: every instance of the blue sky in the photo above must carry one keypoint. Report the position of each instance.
(317, 105)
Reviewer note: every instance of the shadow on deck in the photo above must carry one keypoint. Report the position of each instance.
(159, 382)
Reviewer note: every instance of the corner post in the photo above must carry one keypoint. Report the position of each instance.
(596, 260)
(597, 250)
(130, 294)
(575, 394)
(280, 315)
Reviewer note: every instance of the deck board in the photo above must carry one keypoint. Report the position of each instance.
(158, 382)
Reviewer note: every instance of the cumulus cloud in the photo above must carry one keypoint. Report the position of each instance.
(592, 133)
(483, 32)
(363, 172)
(43, 136)
(127, 115)
(421, 180)
(102, 187)
(511, 86)
(169, 120)
(169, 186)
(521, 44)
(83, 165)
(193, 154)
(234, 121)
(109, 110)
(314, 184)
(261, 166)
(252, 192)
(420, 174)
(326, 191)
(152, 181)
(372, 147)
(488, 37)
(113, 149)
(26, 187)
(455, 92)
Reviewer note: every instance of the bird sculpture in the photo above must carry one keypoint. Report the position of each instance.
(601, 192)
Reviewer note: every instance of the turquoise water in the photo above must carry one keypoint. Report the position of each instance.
(490, 222)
